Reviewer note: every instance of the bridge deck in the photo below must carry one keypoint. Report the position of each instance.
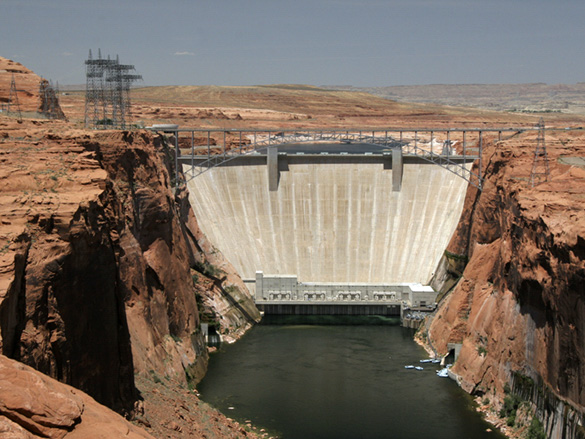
(438, 146)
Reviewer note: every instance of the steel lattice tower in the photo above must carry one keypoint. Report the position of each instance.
(119, 79)
(107, 96)
(49, 96)
(13, 98)
(540, 168)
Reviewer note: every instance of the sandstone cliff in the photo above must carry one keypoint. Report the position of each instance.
(518, 307)
(99, 260)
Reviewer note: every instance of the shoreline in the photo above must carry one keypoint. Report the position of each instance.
(487, 411)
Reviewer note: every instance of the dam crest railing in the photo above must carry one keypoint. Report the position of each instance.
(455, 149)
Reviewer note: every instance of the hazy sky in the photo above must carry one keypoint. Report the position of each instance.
(319, 42)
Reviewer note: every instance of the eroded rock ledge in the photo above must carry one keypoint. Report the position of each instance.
(517, 309)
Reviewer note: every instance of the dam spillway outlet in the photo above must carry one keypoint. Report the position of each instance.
(330, 221)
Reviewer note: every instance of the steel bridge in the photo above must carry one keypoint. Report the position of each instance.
(455, 149)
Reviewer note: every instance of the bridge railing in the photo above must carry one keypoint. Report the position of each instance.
(454, 149)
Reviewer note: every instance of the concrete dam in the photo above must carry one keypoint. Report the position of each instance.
(330, 222)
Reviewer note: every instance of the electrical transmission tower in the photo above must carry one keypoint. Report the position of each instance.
(107, 95)
(94, 89)
(540, 169)
(49, 96)
(13, 99)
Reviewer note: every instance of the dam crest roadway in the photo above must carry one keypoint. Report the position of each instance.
(341, 221)
(452, 149)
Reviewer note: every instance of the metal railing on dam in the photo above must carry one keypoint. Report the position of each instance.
(453, 148)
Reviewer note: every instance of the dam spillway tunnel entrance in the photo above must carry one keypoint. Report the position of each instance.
(334, 235)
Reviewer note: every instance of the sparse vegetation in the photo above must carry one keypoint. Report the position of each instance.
(232, 290)
(207, 269)
(507, 392)
(155, 377)
(509, 409)
(536, 430)
(5, 247)
(456, 257)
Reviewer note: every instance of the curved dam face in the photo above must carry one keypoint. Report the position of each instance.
(331, 222)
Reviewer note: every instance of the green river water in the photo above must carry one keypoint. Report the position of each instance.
(301, 381)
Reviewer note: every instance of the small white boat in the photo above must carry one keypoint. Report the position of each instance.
(409, 367)
(443, 373)
(419, 368)
(426, 361)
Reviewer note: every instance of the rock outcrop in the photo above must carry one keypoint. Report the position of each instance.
(35, 405)
(98, 259)
(517, 308)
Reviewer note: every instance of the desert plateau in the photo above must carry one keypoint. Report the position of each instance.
(106, 275)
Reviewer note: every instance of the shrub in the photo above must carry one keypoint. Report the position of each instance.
(207, 269)
(511, 403)
(536, 430)
(232, 290)
(155, 377)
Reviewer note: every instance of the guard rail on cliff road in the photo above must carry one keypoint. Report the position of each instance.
(455, 149)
